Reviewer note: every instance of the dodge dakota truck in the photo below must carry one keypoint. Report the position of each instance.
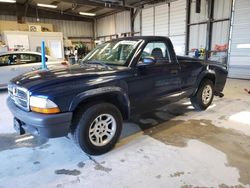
(90, 100)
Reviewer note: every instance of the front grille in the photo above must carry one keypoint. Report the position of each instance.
(19, 95)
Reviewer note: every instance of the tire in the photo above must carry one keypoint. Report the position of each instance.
(91, 124)
(201, 102)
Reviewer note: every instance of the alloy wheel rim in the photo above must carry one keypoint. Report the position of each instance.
(102, 130)
(207, 94)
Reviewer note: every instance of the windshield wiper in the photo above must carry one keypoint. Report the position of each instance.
(97, 63)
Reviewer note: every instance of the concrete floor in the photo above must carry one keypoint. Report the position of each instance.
(174, 146)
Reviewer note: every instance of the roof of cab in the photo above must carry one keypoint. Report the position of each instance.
(146, 38)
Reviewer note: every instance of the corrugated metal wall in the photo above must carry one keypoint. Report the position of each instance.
(239, 62)
(137, 23)
(165, 20)
(222, 10)
(198, 33)
(68, 28)
(162, 20)
(114, 24)
(197, 37)
(220, 30)
(8, 18)
(178, 25)
(148, 21)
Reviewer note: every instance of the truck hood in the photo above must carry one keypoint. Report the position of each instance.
(43, 78)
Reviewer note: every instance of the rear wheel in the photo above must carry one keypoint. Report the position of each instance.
(204, 96)
(98, 128)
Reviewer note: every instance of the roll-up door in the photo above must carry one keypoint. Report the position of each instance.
(239, 57)
(148, 21)
(167, 20)
(178, 25)
(161, 20)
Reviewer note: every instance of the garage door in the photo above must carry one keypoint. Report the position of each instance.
(178, 25)
(165, 20)
(239, 62)
(148, 21)
(161, 20)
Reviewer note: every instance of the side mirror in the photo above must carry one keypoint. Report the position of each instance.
(147, 61)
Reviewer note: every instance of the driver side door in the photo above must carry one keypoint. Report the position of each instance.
(155, 83)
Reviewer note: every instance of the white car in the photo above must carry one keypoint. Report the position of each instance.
(15, 63)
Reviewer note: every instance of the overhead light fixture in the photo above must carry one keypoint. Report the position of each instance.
(87, 14)
(7, 1)
(46, 5)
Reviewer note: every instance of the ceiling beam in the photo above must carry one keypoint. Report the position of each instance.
(93, 10)
(108, 14)
(141, 3)
(98, 4)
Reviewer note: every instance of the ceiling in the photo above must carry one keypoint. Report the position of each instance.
(98, 7)
(69, 9)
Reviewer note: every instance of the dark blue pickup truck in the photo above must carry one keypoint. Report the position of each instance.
(90, 100)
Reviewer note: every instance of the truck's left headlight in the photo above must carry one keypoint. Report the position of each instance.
(43, 105)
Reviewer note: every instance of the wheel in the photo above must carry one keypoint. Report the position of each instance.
(97, 129)
(204, 96)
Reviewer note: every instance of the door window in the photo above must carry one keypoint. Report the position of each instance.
(158, 51)
(16, 59)
(4, 60)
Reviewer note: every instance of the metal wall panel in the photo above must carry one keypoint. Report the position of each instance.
(8, 18)
(178, 18)
(239, 59)
(148, 21)
(68, 28)
(156, 21)
(222, 9)
(198, 17)
(122, 21)
(197, 38)
(137, 23)
(178, 25)
(161, 20)
(114, 24)
(220, 33)
(179, 44)
(72, 28)
(106, 26)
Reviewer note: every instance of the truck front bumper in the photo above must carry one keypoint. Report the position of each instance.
(49, 126)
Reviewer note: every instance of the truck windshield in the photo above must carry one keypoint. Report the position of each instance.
(113, 52)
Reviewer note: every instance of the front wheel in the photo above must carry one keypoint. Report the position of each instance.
(98, 128)
(204, 96)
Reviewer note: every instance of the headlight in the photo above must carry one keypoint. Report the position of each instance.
(43, 105)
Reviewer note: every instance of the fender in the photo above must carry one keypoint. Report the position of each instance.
(202, 75)
(122, 97)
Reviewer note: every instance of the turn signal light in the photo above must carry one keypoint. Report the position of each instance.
(45, 110)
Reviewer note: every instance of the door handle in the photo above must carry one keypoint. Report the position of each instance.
(175, 72)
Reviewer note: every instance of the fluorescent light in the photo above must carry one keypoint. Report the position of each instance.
(46, 5)
(7, 1)
(87, 14)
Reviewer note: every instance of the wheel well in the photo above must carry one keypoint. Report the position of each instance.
(112, 98)
(209, 77)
